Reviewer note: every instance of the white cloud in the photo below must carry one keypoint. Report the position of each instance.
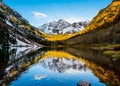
(39, 15)
(74, 19)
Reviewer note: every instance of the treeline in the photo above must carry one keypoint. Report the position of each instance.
(5, 37)
(108, 33)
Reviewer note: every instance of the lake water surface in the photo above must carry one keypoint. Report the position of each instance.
(56, 67)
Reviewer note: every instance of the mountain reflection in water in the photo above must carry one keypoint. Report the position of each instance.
(63, 65)
(57, 67)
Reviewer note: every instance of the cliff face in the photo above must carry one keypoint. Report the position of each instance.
(104, 28)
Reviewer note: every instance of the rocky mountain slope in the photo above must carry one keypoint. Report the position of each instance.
(104, 28)
(15, 30)
(63, 27)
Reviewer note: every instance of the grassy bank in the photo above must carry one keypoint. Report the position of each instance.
(112, 50)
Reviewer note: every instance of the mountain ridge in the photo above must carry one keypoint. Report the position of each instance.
(63, 27)
(104, 27)
(14, 27)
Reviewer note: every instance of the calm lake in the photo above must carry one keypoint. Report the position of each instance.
(24, 66)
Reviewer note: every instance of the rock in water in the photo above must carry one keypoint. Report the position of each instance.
(83, 83)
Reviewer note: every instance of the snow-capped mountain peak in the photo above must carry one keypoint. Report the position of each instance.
(63, 27)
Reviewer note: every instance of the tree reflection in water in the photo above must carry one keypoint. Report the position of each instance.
(13, 64)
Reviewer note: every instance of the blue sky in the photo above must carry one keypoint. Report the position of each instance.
(38, 12)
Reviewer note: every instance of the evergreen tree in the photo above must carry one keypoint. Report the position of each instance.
(4, 33)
